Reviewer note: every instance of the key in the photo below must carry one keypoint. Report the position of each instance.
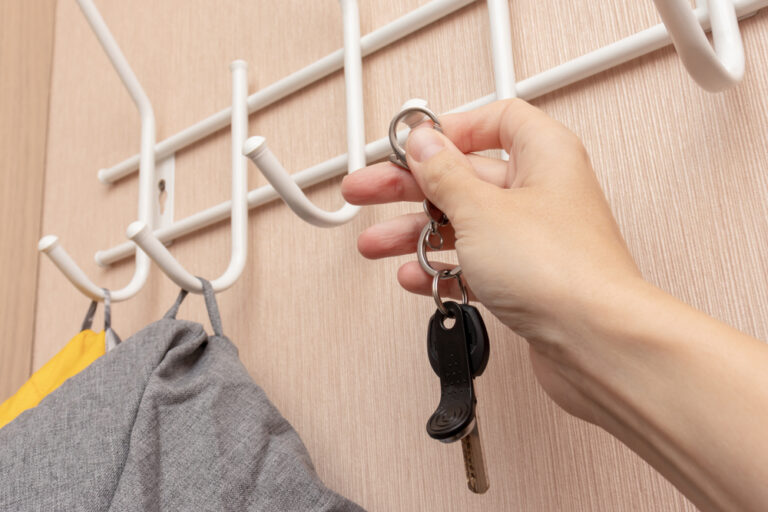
(480, 351)
(477, 339)
(458, 354)
(474, 461)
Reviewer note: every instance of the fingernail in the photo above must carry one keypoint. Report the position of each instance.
(423, 144)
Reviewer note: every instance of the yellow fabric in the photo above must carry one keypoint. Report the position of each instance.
(81, 351)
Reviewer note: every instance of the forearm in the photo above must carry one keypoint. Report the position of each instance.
(689, 394)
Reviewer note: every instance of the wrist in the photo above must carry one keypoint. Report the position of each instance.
(672, 384)
(604, 346)
(608, 320)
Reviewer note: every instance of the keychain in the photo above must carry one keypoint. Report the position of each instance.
(459, 352)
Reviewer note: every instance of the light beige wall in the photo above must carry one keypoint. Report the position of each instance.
(26, 50)
(335, 343)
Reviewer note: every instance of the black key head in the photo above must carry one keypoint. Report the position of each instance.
(455, 415)
(477, 339)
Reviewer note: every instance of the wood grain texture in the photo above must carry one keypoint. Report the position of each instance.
(26, 50)
(334, 341)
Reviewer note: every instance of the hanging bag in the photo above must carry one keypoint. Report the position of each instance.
(168, 420)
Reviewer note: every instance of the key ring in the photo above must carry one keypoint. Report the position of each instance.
(436, 217)
(446, 274)
(421, 254)
(399, 151)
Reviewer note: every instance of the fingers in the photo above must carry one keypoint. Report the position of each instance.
(498, 125)
(413, 278)
(444, 173)
(386, 182)
(379, 183)
(398, 236)
(542, 150)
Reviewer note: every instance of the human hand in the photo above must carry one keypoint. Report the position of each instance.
(535, 236)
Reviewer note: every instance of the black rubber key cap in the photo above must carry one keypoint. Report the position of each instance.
(455, 415)
(477, 341)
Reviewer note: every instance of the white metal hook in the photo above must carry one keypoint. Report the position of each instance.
(501, 52)
(713, 69)
(50, 244)
(256, 148)
(142, 234)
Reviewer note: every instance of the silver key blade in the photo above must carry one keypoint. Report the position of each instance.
(474, 462)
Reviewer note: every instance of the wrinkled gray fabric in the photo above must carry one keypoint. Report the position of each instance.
(167, 420)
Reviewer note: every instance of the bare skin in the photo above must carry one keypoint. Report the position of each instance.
(541, 250)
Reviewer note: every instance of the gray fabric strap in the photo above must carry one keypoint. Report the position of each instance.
(107, 309)
(88, 320)
(213, 308)
(175, 308)
(210, 305)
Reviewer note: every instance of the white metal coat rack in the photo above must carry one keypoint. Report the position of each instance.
(714, 69)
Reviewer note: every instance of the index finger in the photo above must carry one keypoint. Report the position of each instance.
(505, 124)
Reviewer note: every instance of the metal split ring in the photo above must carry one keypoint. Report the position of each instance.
(434, 233)
(446, 274)
(399, 151)
(421, 255)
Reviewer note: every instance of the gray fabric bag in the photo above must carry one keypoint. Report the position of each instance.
(167, 420)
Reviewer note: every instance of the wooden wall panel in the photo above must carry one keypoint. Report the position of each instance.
(26, 46)
(330, 336)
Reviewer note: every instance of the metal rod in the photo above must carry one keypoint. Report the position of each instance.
(50, 244)
(256, 147)
(563, 75)
(714, 70)
(501, 50)
(369, 43)
(140, 233)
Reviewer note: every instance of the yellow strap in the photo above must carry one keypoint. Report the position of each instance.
(82, 350)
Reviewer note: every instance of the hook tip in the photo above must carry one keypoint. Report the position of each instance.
(414, 102)
(135, 229)
(99, 259)
(48, 243)
(254, 146)
(103, 177)
(238, 64)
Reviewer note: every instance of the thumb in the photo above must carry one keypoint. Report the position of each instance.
(443, 173)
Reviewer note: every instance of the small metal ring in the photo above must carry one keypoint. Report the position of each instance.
(421, 255)
(445, 274)
(439, 235)
(399, 151)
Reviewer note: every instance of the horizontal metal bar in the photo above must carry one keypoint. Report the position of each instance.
(565, 74)
(369, 43)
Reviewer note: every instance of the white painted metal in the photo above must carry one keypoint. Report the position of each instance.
(501, 50)
(256, 147)
(50, 244)
(563, 75)
(714, 70)
(165, 173)
(369, 43)
(140, 233)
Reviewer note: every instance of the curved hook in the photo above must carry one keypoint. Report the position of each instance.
(256, 148)
(713, 69)
(50, 244)
(142, 235)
